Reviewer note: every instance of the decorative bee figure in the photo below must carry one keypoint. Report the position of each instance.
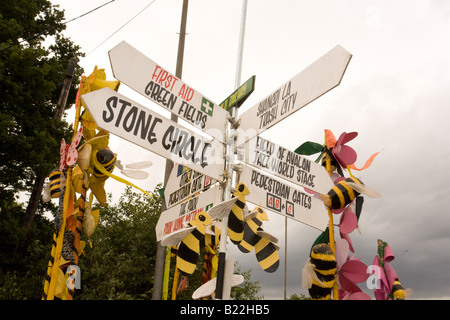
(236, 216)
(189, 247)
(264, 244)
(319, 273)
(345, 191)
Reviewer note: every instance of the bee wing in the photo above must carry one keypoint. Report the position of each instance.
(135, 174)
(368, 191)
(268, 236)
(205, 290)
(408, 292)
(222, 209)
(46, 193)
(176, 237)
(250, 215)
(209, 287)
(308, 275)
(236, 279)
(140, 165)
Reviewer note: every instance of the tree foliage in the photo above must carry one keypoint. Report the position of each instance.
(31, 77)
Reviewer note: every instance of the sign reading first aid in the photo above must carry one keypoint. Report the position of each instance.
(131, 121)
(151, 80)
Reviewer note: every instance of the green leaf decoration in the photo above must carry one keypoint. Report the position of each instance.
(308, 148)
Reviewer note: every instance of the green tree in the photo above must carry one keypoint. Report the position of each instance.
(121, 262)
(34, 56)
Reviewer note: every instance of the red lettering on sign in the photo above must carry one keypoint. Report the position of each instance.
(163, 78)
(168, 227)
(186, 93)
(178, 224)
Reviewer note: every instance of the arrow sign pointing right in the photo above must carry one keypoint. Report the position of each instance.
(320, 77)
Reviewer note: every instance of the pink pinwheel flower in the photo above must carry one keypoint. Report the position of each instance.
(350, 271)
(344, 154)
(387, 275)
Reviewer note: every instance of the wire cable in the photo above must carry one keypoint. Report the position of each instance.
(120, 28)
(48, 30)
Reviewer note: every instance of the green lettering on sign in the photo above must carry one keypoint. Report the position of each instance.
(238, 97)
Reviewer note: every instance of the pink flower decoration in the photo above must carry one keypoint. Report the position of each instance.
(69, 153)
(344, 154)
(350, 271)
(386, 276)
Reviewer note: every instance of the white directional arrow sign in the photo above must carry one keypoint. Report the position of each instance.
(175, 218)
(131, 121)
(317, 79)
(283, 163)
(148, 78)
(280, 197)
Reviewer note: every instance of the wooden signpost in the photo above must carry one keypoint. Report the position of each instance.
(133, 122)
(206, 158)
(154, 82)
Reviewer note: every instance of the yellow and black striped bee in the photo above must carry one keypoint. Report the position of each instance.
(264, 244)
(320, 272)
(346, 191)
(104, 159)
(190, 245)
(236, 216)
(55, 183)
(397, 290)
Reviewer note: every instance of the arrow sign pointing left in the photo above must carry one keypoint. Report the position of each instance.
(131, 121)
(151, 80)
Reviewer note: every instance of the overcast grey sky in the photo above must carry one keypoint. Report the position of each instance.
(394, 94)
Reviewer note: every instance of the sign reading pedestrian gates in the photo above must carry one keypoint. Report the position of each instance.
(151, 80)
(131, 121)
(280, 197)
(318, 78)
(283, 163)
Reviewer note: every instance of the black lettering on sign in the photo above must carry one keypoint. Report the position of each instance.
(134, 120)
(186, 146)
(160, 95)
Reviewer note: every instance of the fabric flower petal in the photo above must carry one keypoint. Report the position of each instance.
(354, 271)
(348, 222)
(342, 248)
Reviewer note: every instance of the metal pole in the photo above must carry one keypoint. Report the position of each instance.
(160, 250)
(285, 257)
(229, 162)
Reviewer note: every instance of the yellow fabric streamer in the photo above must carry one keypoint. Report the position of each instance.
(102, 169)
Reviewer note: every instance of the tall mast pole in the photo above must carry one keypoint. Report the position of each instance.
(160, 250)
(220, 294)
